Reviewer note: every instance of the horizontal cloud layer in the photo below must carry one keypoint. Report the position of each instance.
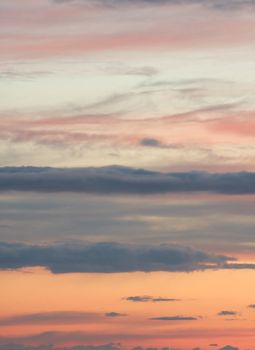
(122, 180)
(54, 317)
(227, 313)
(108, 258)
(174, 318)
(11, 346)
(220, 4)
(147, 298)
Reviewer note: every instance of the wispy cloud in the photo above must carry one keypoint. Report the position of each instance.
(53, 317)
(227, 313)
(174, 318)
(146, 298)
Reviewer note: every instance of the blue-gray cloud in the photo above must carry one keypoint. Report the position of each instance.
(114, 314)
(216, 4)
(150, 142)
(174, 318)
(147, 298)
(109, 257)
(227, 313)
(122, 180)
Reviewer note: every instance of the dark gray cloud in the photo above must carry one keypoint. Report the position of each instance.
(114, 314)
(216, 4)
(174, 318)
(227, 313)
(229, 347)
(108, 257)
(150, 142)
(252, 306)
(147, 298)
(11, 346)
(55, 317)
(122, 180)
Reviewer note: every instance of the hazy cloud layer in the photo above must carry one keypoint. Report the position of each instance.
(12, 346)
(54, 317)
(109, 257)
(120, 180)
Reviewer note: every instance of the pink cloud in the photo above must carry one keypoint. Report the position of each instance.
(46, 31)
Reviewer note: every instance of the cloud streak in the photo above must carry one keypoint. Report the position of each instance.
(54, 317)
(174, 318)
(146, 298)
(122, 180)
(216, 4)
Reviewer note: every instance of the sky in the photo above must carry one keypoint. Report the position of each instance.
(127, 177)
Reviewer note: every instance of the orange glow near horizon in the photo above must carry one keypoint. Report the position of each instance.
(201, 294)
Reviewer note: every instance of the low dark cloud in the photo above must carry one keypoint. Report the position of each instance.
(108, 257)
(229, 347)
(147, 298)
(174, 318)
(252, 306)
(114, 314)
(122, 180)
(227, 313)
(11, 346)
(54, 317)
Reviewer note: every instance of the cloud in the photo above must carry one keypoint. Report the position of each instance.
(11, 346)
(216, 4)
(150, 142)
(108, 257)
(174, 318)
(229, 347)
(114, 314)
(227, 313)
(146, 298)
(54, 317)
(122, 180)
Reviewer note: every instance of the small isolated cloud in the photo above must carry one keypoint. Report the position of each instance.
(114, 314)
(150, 142)
(147, 298)
(251, 306)
(229, 347)
(227, 313)
(213, 345)
(174, 318)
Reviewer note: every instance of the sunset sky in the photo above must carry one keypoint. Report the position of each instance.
(127, 174)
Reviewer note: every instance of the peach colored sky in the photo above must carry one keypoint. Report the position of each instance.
(136, 94)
